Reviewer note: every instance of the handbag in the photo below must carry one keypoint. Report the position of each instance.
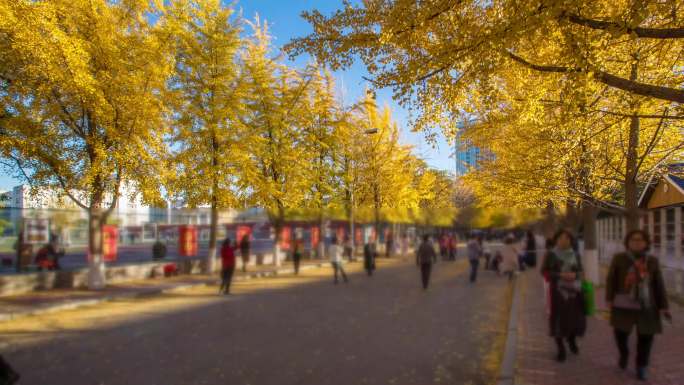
(7, 375)
(589, 298)
(626, 301)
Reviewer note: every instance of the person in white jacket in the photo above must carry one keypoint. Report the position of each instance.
(336, 258)
(509, 257)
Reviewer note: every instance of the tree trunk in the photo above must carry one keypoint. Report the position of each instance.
(321, 237)
(376, 217)
(631, 172)
(96, 267)
(213, 233)
(590, 252)
(277, 222)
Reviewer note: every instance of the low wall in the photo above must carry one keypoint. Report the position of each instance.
(18, 283)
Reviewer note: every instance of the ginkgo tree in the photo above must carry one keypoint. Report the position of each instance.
(82, 87)
(211, 140)
(437, 53)
(276, 118)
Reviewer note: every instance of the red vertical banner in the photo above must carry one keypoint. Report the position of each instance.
(315, 236)
(110, 237)
(359, 236)
(285, 237)
(340, 234)
(243, 230)
(187, 241)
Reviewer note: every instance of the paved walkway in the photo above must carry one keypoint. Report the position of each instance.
(40, 302)
(597, 362)
(284, 330)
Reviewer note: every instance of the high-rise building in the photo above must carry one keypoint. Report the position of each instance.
(466, 155)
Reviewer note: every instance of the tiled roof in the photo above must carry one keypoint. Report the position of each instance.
(677, 180)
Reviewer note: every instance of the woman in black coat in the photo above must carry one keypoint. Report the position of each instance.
(562, 268)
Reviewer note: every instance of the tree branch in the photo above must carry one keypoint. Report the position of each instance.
(651, 33)
(658, 92)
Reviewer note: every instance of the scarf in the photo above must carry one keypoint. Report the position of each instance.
(568, 263)
(637, 280)
(567, 259)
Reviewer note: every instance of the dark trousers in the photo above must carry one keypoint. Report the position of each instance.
(226, 279)
(339, 269)
(644, 344)
(295, 260)
(572, 341)
(474, 264)
(425, 269)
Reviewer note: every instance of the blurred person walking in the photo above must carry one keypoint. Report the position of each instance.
(425, 257)
(8, 376)
(452, 246)
(227, 266)
(297, 254)
(389, 244)
(404, 245)
(562, 268)
(369, 255)
(348, 248)
(335, 251)
(530, 249)
(474, 248)
(510, 256)
(637, 298)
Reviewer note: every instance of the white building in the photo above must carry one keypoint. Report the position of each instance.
(663, 205)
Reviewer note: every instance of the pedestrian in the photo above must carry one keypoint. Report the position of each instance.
(297, 254)
(8, 375)
(369, 255)
(509, 257)
(348, 248)
(637, 298)
(227, 266)
(404, 245)
(562, 268)
(425, 257)
(453, 244)
(244, 252)
(336, 259)
(530, 249)
(443, 247)
(474, 253)
(389, 244)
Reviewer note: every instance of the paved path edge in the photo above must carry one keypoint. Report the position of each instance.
(75, 304)
(508, 363)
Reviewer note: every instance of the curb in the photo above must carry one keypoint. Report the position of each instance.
(507, 373)
(70, 305)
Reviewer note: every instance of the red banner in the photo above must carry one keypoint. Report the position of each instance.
(110, 237)
(359, 236)
(187, 241)
(285, 238)
(242, 231)
(340, 235)
(315, 237)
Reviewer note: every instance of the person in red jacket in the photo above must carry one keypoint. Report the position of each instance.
(227, 266)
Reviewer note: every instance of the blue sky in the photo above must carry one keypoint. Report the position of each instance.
(285, 23)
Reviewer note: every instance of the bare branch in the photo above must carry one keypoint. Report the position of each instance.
(651, 33)
(649, 90)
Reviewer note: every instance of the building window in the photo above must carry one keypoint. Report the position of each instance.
(656, 229)
(670, 232)
(620, 226)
